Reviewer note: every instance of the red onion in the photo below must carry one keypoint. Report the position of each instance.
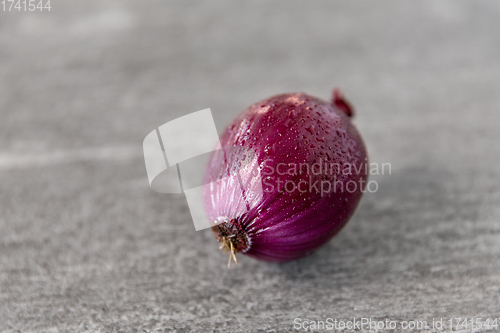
(301, 144)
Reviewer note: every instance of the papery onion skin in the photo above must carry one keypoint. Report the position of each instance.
(293, 129)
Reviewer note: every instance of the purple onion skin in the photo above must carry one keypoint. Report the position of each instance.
(290, 128)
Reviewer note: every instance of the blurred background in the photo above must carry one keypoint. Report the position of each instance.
(85, 245)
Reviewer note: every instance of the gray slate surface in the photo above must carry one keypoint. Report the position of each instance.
(85, 245)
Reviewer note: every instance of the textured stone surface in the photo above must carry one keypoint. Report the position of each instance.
(86, 246)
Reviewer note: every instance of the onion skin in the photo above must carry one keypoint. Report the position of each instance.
(294, 129)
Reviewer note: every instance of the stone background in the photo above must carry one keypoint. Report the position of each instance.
(86, 246)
